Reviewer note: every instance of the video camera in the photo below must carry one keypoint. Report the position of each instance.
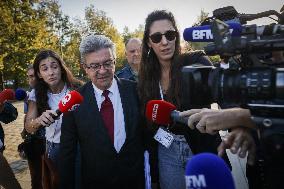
(256, 84)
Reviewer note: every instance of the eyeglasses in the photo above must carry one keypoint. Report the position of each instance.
(157, 37)
(97, 66)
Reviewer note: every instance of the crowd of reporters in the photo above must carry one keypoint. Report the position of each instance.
(86, 146)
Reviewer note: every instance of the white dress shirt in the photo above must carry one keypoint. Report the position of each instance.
(119, 124)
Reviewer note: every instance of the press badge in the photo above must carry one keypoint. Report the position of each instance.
(164, 137)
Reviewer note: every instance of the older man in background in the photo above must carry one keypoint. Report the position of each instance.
(133, 55)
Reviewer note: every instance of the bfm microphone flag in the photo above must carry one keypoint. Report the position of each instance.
(204, 34)
(208, 171)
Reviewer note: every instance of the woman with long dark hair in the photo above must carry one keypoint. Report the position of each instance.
(160, 78)
(53, 81)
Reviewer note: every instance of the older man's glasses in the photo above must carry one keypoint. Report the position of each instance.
(97, 66)
(157, 37)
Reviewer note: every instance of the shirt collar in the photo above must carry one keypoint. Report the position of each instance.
(111, 89)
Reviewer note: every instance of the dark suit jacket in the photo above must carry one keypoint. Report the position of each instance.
(102, 166)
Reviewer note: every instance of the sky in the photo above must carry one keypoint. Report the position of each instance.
(131, 13)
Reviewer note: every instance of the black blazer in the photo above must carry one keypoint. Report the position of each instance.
(102, 166)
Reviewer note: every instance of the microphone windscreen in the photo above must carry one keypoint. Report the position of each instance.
(70, 101)
(207, 170)
(159, 111)
(204, 33)
(7, 94)
(20, 94)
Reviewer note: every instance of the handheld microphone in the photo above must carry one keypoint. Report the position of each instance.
(204, 34)
(163, 113)
(207, 170)
(20, 94)
(7, 94)
(69, 103)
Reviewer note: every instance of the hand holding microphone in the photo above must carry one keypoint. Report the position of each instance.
(163, 113)
(210, 121)
(72, 100)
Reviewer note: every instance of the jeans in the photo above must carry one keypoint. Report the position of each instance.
(52, 150)
(172, 163)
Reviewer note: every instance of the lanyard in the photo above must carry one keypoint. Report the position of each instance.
(161, 91)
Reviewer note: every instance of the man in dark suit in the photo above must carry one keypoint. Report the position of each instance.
(106, 125)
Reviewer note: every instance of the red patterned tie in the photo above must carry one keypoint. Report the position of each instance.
(107, 115)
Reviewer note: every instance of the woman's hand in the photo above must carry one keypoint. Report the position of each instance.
(46, 118)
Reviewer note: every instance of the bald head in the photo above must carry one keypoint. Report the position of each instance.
(133, 52)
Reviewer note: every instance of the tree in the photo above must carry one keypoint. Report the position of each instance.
(200, 45)
(99, 23)
(18, 28)
(138, 33)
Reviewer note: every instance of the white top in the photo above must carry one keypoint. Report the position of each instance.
(53, 132)
(224, 65)
(119, 124)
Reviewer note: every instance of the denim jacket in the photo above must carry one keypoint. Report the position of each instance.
(127, 73)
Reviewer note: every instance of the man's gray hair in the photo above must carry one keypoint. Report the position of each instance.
(93, 43)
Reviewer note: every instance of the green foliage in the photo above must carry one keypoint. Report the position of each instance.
(28, 26)
(199, 45)
(18, 28)
(99, 23)
(138, 33)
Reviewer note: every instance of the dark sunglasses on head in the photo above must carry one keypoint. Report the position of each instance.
(157, 37)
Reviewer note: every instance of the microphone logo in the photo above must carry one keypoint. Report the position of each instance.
(204, 34)
(200, 34)
(66, 99)
(155, 112)
(195, 181)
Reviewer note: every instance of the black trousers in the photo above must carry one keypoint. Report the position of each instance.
(34, 150)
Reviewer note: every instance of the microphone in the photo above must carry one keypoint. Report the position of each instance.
(20, 94)
(7, 94)
(207, 170)
(163, 113)
(69, 103)
(204, 34)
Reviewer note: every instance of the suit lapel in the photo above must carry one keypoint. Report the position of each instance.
(124, 95)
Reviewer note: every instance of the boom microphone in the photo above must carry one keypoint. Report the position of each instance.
(7, 94)
(204, 34)
(207, 170)
(163, 113)
(68, 103)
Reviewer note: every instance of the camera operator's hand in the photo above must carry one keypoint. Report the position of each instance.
(240, 142)
(210, 121)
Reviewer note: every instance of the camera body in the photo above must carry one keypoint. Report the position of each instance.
(256, 84)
